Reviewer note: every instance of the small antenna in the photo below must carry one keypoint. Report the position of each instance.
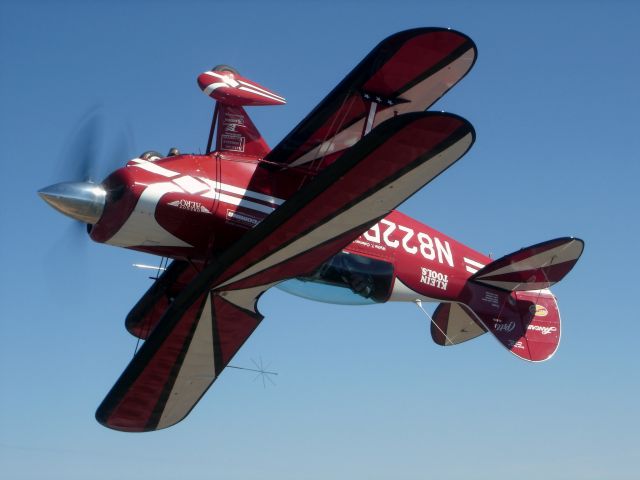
(147, 267)
(164, 264)
(261, 371)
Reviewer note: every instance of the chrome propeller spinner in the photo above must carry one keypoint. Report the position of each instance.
(83, 201)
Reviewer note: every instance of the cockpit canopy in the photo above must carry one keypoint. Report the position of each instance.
(347, 279)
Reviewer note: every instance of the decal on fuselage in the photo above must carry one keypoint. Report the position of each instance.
(242, 219)
(382, 234)
(231, 139)
(142, 227)
(491, 298)
(515, 344)
(538, 310)
(544, 330)
(433, 278)
(504, 327)
(190, 205)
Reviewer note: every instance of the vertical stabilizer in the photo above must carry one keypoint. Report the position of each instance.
(237, 133)
(235, 130)
(510, 298)
(527, 323)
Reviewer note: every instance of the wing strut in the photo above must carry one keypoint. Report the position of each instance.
(214, 120)
(407, 72)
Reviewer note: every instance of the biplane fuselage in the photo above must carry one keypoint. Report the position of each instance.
(193, 207)
(316, 216)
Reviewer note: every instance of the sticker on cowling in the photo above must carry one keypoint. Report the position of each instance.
(242, 219)
(190, 205)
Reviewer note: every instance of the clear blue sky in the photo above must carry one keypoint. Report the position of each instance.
(362, 392)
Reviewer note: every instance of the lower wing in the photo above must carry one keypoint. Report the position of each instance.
(210, 319)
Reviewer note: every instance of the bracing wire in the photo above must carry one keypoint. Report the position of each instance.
(418, 302)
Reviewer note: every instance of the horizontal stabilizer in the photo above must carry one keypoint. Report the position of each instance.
(453, 324)
(532, 268)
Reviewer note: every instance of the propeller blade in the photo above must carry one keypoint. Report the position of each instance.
(120, 150)
(88, 155)
(79, 156)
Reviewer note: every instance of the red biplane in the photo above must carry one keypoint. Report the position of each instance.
(315, 216)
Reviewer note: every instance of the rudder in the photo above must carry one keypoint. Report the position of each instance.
(527, 323)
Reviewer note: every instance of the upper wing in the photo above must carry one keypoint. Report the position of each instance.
(216, 312)
(407, 72)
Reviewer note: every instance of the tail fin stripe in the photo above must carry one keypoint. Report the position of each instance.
(473, 263)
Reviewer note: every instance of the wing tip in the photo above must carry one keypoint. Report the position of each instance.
(103, 418)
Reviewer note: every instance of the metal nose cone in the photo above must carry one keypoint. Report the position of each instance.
(82, 201)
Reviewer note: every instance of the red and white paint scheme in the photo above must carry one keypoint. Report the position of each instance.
(315, 216)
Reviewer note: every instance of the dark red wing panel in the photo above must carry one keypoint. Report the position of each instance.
(386, 167)
(131, 403)
(232, 325)
(216, 312)
(406, 72)
(177, 365)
